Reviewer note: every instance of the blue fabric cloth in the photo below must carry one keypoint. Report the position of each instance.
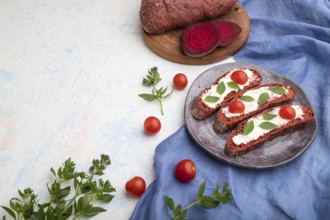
(291, 37)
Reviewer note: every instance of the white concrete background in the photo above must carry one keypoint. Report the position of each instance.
(70, 75)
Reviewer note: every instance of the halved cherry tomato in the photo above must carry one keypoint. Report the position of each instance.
(287, 112)
(236, 106)
(180, 81)
(239, 77)
(152, 125)
(136, 186)
(185, 170)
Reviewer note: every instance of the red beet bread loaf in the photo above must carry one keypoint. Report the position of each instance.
(252, 101)
(159, 16)
(223, 90)
(266, 126)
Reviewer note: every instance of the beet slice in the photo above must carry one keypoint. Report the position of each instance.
(199, 39)
(228, 32)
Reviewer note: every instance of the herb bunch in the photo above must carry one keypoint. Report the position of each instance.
(151, 80)
(64, 202)
(209, 202)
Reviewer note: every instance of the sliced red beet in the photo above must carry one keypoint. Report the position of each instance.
(228, 32)
(199, 39)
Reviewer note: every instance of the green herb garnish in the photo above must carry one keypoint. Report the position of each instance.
(248, 127)
(269, 116)
(151, 80)
(211, 99)
(264, 97)
(246, 98)
(221, 88)
(209, 202)
(65, 203)
(277, 90)
(232, 85)
(268, 125)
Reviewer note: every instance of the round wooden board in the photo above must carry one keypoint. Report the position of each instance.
(168, 45)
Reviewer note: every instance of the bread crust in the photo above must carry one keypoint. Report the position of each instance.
(294, 125)
(222, 124)
(160, 16)
(200, 111)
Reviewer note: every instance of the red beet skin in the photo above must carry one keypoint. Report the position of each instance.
(199, 39)
(228, 32)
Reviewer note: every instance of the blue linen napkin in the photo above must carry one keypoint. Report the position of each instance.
(291, 37)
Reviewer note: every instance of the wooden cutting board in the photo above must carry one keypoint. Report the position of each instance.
(168, 45)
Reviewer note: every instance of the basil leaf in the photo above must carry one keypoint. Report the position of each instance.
(209, 202)
(246, 98)
(9, 211)
(170, 203)
(201, 190)
(264, 97)
(105, 198)
(221, 88)
(277, 90)
(232, 85)
(211, 99)
(248, 127)
(92, 211)
(177, 210)
(221, 198)
(268, 126)
(183, 214)
(83, 202)
(269, 116)
(148, 97)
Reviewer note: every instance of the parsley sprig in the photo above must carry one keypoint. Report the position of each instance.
(209, 202)
(64, 202)
(151, 80)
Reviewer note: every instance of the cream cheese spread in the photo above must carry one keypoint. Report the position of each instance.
(252, 105)
(257, 132)
(213, 90)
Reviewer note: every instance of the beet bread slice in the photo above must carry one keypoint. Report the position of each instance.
(254, 100)
(265, 126)
(222, 91)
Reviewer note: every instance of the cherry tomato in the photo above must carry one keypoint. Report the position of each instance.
(180, 81)
(287, 112)
(185, 170)
(239, 77)
(152, 125)
(236, 106)
(136, 186)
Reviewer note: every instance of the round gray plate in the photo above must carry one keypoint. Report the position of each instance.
(273, 153)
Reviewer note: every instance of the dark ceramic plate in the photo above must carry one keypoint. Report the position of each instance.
(273, 153)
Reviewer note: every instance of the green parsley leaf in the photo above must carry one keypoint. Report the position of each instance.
(268, 126)
(248, 127)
